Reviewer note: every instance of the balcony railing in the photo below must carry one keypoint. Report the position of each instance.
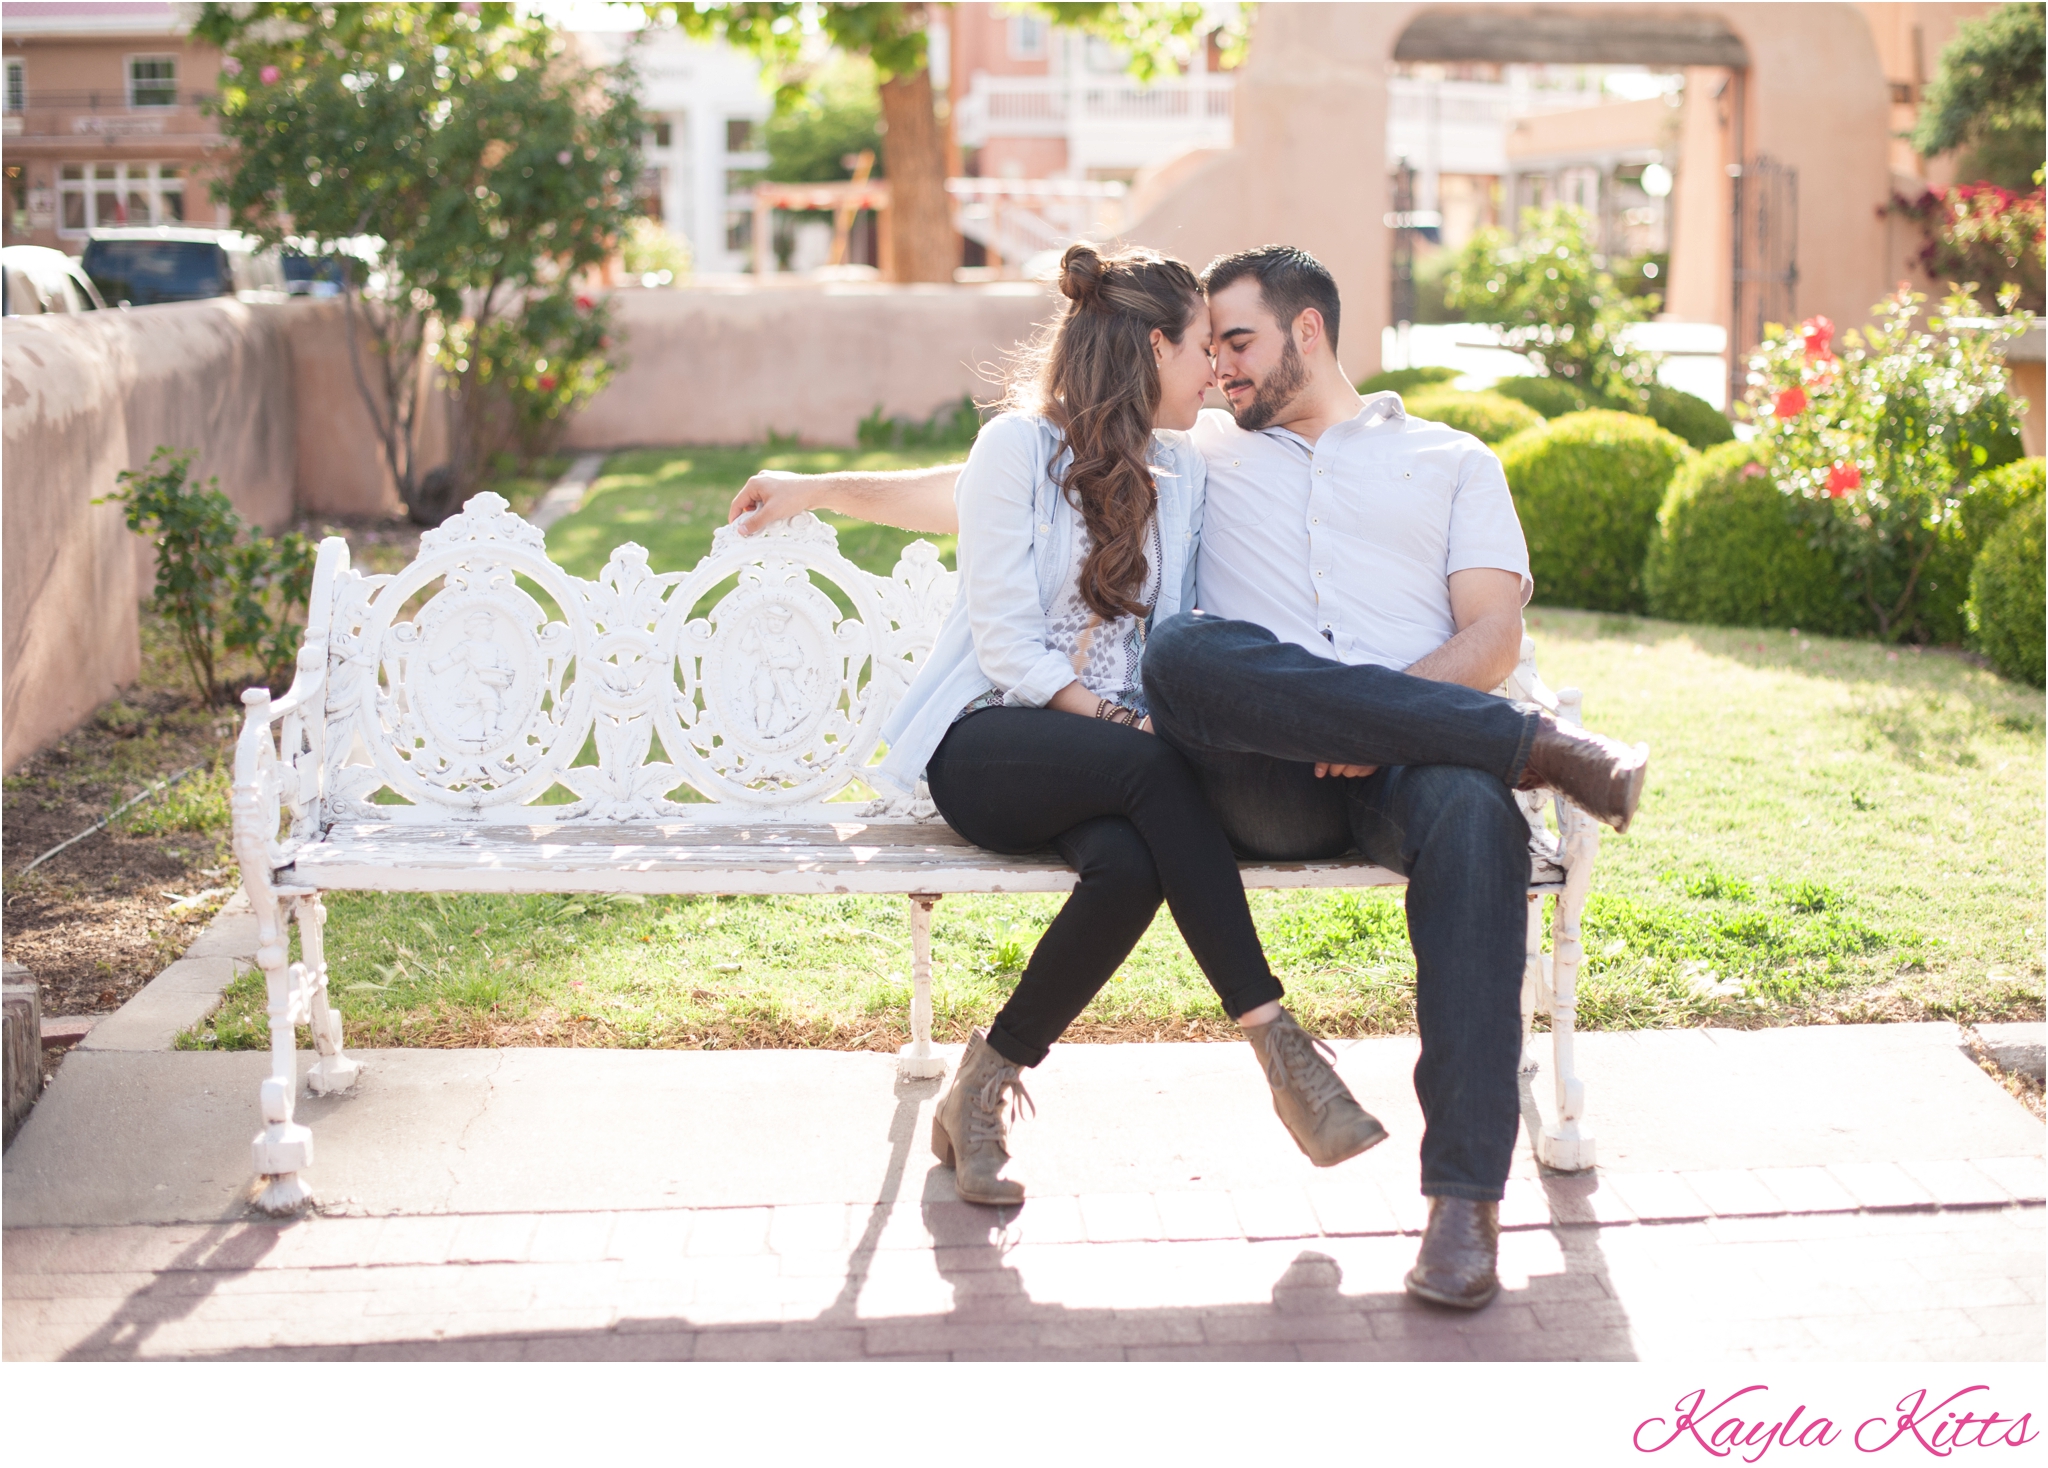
(1051, 106)
(110, 99)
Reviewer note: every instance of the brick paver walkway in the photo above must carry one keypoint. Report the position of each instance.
(1170, 1276)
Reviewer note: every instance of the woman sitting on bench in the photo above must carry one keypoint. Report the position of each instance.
(1080, 509)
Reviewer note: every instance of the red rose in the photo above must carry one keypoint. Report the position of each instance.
(1844, 478)
(584, 303)
(1790, 404)
(547, 382)
(1817, 332)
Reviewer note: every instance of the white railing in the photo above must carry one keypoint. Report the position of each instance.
(1462, 127)
(1197, 109)
(1016, 219)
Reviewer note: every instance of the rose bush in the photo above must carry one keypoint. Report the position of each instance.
(1877, 445)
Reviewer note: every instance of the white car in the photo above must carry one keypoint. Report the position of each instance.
(36, 280)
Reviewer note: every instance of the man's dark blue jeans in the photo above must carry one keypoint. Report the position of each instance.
(1254, 715)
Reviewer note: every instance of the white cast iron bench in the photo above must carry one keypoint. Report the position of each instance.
(466, 687)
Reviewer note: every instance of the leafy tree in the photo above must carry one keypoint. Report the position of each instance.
(838, 115)
(1556, 302)
(1987, 97)
(489, 163)
(892, 36)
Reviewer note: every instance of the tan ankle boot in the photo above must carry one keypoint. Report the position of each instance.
(969, 1129)
(1327, 1122)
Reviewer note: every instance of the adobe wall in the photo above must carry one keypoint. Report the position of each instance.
(1311, 136)
(85, 398)
(732, 365)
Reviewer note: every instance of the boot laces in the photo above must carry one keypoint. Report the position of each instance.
(985, 1120)
(1292, 1064)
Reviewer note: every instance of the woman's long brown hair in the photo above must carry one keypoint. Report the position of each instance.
(1093, 375)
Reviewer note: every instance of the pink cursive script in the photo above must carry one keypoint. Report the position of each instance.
(1942, 1434)
(1723, 1433)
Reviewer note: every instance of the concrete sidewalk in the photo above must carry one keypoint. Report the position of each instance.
(1855, 1193)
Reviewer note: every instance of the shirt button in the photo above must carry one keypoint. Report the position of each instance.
(1313, 520)
(1406, 475)
(1319, 471)
(1046, 528)
(1319, 573)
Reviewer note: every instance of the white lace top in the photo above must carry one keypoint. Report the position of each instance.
(1105, 653)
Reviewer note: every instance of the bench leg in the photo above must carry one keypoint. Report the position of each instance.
(917, 1060)
(1564, 1145)
(333, 1071)
(1535, 980)
(283, 1149)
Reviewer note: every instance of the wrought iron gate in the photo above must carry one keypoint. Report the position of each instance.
(1766, 262)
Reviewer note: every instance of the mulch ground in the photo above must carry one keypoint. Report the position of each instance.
(95, 923)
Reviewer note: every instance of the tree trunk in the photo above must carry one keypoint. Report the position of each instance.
(922, 243)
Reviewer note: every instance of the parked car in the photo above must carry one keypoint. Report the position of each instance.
(35, 280)
(147, 267)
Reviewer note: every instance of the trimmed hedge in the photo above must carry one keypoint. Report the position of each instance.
(1693, 419)
(1588, 487)
(2008, 606)
(1405, 380)
(1730, 551)
(1944, 591)
(1553, 397)
(1487, 416)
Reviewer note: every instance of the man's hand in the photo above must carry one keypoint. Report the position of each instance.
(1346, 772)
(771, 496)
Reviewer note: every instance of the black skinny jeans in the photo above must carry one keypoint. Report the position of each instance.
(1126, 811)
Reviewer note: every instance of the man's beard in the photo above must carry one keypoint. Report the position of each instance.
(1282, 385)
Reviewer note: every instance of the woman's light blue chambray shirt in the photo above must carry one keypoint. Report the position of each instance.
(1017, 534)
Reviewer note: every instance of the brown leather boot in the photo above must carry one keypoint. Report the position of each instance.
(1601, 776)
(1325, 1119)
(1460, 1249)
(969, 1129)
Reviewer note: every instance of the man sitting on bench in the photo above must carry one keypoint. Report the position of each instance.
(1361, 578)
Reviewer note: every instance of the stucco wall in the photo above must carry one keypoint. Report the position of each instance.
(1311, 136)
(84, 398)
(733, 365)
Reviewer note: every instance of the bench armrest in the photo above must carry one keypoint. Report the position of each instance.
(281, 753)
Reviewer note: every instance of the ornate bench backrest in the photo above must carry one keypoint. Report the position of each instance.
(484, 683)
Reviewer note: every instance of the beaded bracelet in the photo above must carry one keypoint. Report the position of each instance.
(1116, 713)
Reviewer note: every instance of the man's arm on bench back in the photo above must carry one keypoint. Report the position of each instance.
(910, 499)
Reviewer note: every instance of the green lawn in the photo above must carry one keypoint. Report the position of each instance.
(1833, 831)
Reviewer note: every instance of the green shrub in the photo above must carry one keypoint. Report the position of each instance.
(1487, 416)
(1941, 601)
(2007, 609)
(1408, 379)
(224, 589)
(951, 426)
(1553, 397)
(1693, 419)
(1730, 550)
(1588, 487)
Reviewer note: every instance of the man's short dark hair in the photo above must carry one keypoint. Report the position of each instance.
(1290, 281)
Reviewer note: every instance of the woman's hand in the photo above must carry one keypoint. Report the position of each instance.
(1076, 699)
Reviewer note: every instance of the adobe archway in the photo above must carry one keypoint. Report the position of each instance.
(1309, 168)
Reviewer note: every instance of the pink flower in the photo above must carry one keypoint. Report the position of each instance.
(1790, 404)
(1752, 471)
(269, 74)
(1817, 332)
(231, 66)
(584, 303)
(1844, 478)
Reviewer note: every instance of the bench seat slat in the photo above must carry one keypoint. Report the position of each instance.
(753, 858)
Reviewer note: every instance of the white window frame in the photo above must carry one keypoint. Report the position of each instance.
(146, 178)
(128, 71)
(17, 84)
(1026, 39)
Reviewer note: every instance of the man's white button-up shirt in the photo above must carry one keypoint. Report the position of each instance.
(1346, 546)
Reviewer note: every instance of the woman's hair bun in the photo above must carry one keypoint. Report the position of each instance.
(1081, 273)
